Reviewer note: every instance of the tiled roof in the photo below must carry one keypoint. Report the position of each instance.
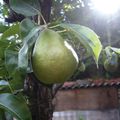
(90, 83)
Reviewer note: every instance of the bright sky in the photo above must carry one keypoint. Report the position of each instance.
(106, 6)
(1, 20)
(1, 1)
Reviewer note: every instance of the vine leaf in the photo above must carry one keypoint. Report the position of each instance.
(87, 37)
(15, 105)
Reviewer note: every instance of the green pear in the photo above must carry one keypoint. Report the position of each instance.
(111, 64)
(53, 59)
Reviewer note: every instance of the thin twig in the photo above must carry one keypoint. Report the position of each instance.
(43, 19)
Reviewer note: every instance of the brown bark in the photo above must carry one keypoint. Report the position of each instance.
(46, 10)
(40, 99)
(40, 95)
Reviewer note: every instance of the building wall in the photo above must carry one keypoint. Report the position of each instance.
(87, 104)
(87, 99)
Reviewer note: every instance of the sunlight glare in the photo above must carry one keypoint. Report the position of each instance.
(106, 6)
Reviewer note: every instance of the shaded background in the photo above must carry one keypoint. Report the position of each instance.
(82, 12)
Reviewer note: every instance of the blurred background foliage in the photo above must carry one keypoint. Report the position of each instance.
(82, 12)
(107, 27)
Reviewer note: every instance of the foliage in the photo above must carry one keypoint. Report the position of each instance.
(16, 44)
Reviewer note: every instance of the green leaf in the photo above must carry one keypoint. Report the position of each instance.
(23, 57)
(17, 62)
(4, 86)
(3, 72)
(2, 50)
(15, 105)
(108, 52)
(2, 114)
(17, 81)
(4, 44)
(26, 26)
(8, 116)
(33, 33)
(87, 37)
(11, 61)
(13, 30)
(18, 75)
(25, 7)
(28, 43)
(116, 50)
(3, 28)
(5, 10)
(28, 30)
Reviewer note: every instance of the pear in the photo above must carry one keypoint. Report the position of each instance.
(53, 59)
(111, 64)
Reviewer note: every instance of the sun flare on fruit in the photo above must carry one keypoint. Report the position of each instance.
(106, 6)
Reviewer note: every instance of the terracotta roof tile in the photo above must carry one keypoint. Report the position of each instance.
(90, 83)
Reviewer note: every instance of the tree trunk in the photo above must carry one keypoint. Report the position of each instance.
(40, 99)
(40, 95)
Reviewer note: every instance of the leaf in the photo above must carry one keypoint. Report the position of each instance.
(4, 44)
(108, 52)
(28, 30)
(17, 81)
(15, 105)
(23, 57)
(25, 7)
(13, 30)
(3, 83)
(3, 72)
(3, 28)
(18, 75)
(8, 116)
(28, 42)
(26, 26)
(2, 52)
(4, 86)
(33, 33)
(11, 61)
(5, 10)
(87, 37)
(2, 114)
(117, 50)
